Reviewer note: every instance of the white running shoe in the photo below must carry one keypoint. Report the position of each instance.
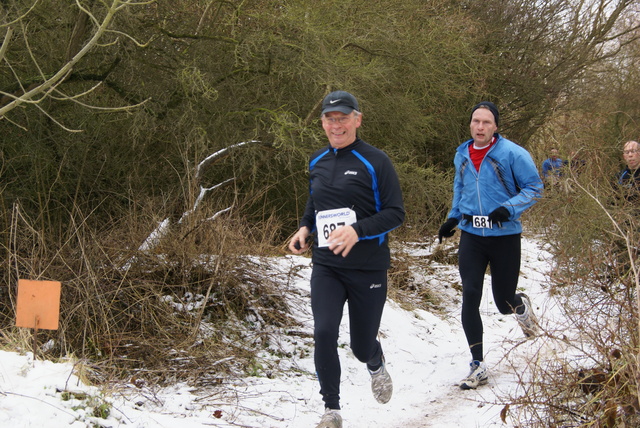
(381, 384)
(330, 419)
(527, 319)
(477, 375)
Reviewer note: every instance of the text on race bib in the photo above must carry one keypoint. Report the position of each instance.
(329, 220)
(481, 222)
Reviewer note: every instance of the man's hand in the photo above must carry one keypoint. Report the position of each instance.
(342, 240)
(298, 243)
(499, 215)
(447, 229)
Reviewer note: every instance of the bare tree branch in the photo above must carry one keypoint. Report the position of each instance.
(164, 227)
(5, 43)
(21, 17)
(211, 158)
(36, 93)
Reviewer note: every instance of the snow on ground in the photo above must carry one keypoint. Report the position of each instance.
(426, 356)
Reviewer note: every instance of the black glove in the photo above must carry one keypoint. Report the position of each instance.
(499, 215)
(447, 229)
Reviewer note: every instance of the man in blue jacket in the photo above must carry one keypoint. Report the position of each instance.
(354, 202)
(495, 182)
(552, 168)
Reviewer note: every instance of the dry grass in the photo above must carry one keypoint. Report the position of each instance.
(178, 312)
(586, 370)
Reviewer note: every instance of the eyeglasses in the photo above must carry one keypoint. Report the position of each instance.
(627, 152)
(340, 120)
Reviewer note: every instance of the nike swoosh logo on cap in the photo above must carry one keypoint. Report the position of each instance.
(334, 101)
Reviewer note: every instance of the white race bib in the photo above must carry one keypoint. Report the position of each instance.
(481, 222)
(329, 220)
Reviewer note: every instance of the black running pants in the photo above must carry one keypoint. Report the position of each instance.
(365, 292)
(502, 255)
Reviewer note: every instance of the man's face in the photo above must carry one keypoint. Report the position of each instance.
(554, 154)
(631, 154)
(483, 126)
(341, 128)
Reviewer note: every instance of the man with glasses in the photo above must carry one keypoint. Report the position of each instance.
(354, 202)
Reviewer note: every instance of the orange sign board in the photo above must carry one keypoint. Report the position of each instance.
(38, 304)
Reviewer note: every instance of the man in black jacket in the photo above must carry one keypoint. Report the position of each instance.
(354, 202)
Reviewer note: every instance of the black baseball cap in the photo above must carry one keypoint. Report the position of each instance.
(340, 101)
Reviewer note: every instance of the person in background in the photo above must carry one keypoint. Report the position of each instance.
(495, 181)
(629, 177)
(354, 202)
(627, 197)
(575, 164)
(552, 168)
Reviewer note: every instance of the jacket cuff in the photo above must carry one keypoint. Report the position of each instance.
(356, 227)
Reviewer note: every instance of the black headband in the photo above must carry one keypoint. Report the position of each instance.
(492, 108)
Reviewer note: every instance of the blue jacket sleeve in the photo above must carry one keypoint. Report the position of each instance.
(527, 180)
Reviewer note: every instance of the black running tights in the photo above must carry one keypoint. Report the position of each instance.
(502, 254)
(366, 292)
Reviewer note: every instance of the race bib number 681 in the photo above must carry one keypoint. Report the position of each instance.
(329, 220)
(481, 222)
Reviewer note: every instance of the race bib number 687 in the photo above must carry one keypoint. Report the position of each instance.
(329, 220)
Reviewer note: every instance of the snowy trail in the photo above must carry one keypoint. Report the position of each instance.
(426, 357)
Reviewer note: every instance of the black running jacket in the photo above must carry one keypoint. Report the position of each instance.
(361, 177)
